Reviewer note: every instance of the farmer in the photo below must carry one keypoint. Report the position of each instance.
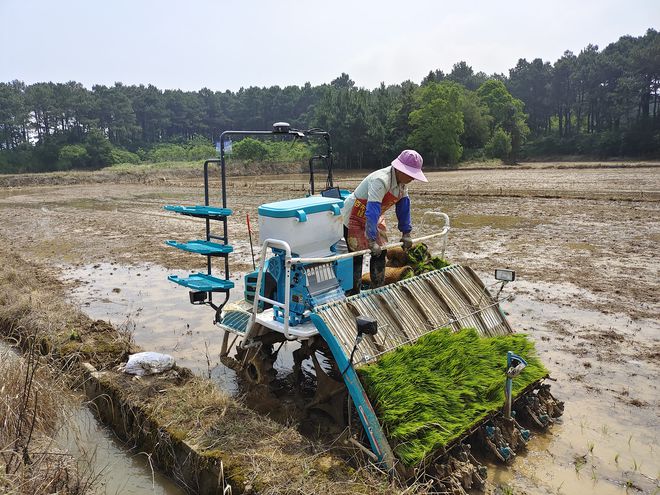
(364, 225)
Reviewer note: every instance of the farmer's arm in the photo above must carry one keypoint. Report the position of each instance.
(403, 215)
(377, 191)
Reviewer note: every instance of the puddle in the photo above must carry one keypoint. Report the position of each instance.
(493, 221)
(160, 316)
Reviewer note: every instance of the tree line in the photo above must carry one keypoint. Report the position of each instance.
(602, 103)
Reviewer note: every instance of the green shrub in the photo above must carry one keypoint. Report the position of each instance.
(288, 151)
(201, 152)
(120, 155)
(17, 160)
(249, 149)
(98, 148)
(167, 152)
(499, 145)
(72, 156)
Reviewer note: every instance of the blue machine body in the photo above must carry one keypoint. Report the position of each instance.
(375, 434)
(311, 285)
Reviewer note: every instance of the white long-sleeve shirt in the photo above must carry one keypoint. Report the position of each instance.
(374, 187)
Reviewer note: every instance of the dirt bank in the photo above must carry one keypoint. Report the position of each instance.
(158, 173)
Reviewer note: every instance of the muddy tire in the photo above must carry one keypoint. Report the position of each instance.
(256, 365)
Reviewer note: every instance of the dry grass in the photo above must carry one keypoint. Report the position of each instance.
(257, 453)
(32, 306)
(31, 402)
(34, 393)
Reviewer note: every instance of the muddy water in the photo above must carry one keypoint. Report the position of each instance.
(120, 471)
(160, 316)
(607, 440)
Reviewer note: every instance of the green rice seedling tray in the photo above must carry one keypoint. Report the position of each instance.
(430, 393)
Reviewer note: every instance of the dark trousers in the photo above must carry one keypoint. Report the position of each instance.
(376, 268)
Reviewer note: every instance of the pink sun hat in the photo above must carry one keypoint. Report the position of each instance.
(410, 163)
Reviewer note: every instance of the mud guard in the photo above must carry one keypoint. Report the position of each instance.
(379, 444)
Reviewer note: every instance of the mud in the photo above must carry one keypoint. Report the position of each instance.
(583, 242)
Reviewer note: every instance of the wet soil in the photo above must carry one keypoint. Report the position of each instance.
(583, 242)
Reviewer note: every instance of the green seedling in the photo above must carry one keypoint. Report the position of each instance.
(579, 461)
(432, 392)
(505, 490)
(421, 261)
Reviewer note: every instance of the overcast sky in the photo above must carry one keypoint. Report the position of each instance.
(191, 44)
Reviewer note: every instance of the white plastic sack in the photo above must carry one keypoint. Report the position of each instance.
(148, 363)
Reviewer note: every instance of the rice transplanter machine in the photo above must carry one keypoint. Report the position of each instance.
(298, 293)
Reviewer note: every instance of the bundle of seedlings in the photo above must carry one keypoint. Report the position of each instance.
(406, 264)
(430, 393)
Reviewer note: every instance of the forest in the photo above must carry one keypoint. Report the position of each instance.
(598, 103)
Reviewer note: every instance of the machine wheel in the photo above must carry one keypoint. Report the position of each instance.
(330, 393)
(256, 365)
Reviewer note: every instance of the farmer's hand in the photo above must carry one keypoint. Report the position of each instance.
(407, 241)
(375, 249)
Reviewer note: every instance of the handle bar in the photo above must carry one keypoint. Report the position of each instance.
(329, 259)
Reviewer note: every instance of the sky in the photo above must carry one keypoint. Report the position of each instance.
(220, 45)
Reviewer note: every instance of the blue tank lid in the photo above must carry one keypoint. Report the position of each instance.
(300, 208)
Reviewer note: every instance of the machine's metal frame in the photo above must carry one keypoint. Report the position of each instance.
(209, 236)
(296, 134)
(374, 432)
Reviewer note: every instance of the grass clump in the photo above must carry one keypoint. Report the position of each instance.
(429, 393)
(33, 403)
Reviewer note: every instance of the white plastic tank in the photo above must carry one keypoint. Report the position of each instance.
(309, 225)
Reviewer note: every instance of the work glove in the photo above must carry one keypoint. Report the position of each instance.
(375, 248)
(407, 241)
